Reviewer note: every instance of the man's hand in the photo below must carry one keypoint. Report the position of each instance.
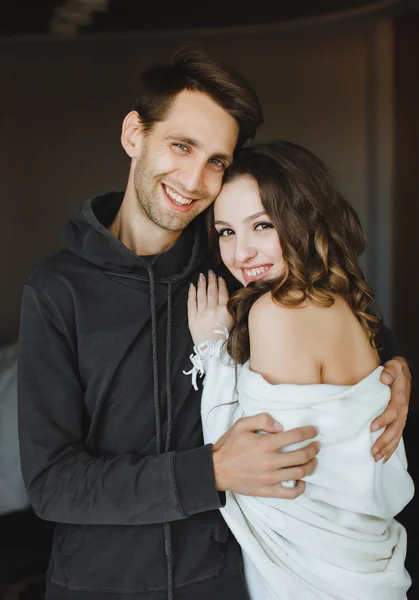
(252, 464)
(397, 375)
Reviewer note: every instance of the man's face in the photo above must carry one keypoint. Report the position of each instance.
(181, 162)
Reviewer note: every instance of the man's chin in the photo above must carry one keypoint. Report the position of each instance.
(175, 225)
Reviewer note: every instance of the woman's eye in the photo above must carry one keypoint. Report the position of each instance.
(181, 147)
(261, 226)
(225, 232)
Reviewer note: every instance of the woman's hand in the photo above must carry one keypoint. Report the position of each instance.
(207, 308)
(397, 375)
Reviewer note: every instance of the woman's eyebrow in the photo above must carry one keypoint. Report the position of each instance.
(246, 220)
(255, 216)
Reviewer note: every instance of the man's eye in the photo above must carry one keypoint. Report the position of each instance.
(218, 163)
(181, 147)
(264, 225)
(225, 232)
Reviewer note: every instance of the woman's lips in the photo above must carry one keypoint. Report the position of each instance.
(255, 273)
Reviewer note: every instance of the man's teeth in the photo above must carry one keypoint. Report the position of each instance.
(177, 197)
(255, 272)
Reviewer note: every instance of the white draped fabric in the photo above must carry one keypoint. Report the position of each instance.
(339, 540)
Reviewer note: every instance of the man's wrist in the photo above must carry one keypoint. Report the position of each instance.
(217, 469)
(194, 476)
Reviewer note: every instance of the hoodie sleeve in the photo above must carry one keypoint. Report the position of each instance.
(388, 344)
(65, 482)
(390, 348)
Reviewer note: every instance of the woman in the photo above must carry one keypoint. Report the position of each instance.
(302, 348)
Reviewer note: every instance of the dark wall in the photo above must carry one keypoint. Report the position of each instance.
(62, 104)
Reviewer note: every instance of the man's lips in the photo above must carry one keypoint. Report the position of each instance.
(255, 273)
(176, 200)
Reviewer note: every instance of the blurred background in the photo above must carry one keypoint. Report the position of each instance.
(340, 77)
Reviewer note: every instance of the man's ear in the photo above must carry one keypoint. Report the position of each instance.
(131, 135)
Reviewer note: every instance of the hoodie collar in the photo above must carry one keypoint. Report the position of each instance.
(87, 236)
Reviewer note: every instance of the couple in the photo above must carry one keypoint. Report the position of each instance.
(111, 440)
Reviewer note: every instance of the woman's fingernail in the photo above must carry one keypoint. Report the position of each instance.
(278, 426)
(374, 450)
(201, 277)
(191, 286)
(374, 427)
(386, 378)
(211, 273)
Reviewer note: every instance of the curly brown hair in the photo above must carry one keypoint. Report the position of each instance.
(320, 234)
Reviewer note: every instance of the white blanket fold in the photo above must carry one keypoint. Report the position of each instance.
(339, 540)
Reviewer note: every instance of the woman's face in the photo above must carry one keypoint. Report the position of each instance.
(249, 244)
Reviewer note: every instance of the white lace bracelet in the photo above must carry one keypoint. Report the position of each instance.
(202, 352)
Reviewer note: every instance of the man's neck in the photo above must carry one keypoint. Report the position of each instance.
(135, 230)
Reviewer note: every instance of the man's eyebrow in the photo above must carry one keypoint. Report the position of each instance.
(185, 140)
(195, 144)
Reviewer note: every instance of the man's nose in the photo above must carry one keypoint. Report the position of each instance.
(192, 178)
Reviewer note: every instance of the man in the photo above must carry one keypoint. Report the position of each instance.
(111, 440)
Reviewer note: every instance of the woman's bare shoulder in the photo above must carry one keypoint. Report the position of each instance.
(283, 341)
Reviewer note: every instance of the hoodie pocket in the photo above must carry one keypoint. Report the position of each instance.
(66, 541)
(126, 559)
(221, 530)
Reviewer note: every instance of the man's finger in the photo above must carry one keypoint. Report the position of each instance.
(297, 458)
(389, 374)
(388, 416)
(387, 450)
(391, 433)
(389, 454)
(291, 436)
(259, 422)
(279, 491)
(298, 472)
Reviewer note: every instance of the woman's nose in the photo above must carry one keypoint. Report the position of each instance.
(244, 252)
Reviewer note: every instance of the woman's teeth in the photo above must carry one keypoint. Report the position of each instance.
(177, 197)
(255, 272)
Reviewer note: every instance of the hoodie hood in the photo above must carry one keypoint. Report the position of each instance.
(87, 236)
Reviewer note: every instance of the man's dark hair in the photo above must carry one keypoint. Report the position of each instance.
(193, 70)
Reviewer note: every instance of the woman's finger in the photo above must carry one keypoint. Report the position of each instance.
(192, 307)
(201, 294)
(212, 291)
(223, 294)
